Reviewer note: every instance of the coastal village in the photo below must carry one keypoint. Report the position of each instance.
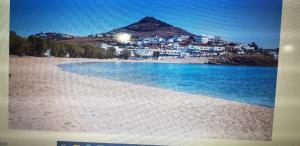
(181, 46)
(152, 39)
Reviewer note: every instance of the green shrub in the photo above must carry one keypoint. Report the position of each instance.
(35, 46)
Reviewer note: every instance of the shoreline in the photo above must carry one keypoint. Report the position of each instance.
(72, 102)
(162, 60)
(215, 97)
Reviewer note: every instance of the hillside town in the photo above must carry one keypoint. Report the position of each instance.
(182, 46)
(209, 48)
(153, 38)
(146, 39)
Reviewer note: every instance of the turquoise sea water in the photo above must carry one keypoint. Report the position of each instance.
(252, 85)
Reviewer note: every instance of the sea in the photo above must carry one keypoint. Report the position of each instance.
(247, 84)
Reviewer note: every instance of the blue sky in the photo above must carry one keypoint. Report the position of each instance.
(235, 20)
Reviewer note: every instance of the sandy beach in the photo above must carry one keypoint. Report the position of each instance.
(43, 97)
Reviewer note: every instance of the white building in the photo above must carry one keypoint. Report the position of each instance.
(98, 35)
(205, 50)
(237, 47)
(218, 48)
(176, 45)
(246, 47)
(202, 39)
(182, 38)
(161, 40)
(172, 39)
(146, 52)
(170, 52)
(200, 47)
(140, 43)
(119, 51)
(103, 45)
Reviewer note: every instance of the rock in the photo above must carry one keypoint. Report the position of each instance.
(246, 60)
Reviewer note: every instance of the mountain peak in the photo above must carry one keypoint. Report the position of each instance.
(150, 26)
(150, 19)
(147, 23)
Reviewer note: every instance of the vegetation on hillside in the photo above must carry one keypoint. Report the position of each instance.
(35, 46)
(125, 54)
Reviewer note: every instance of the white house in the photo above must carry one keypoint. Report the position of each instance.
(182, 38)
(202, 39)
(103, 45)
(172, 39)
(170, 52)
(98, 35)
(146, 52)
(206, 50)
(237, 47)
(200, 47)
(116, 47)
(140, 43)
(218, 48)
(119, 51)
(161, 40)
(176, 45)
(248, 48)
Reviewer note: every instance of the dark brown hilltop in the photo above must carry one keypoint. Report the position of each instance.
(150, 27)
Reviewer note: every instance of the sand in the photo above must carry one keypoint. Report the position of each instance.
(43, 97)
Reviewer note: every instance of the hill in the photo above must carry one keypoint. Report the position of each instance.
(150, 27)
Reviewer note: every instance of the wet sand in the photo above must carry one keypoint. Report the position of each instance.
(43, 97)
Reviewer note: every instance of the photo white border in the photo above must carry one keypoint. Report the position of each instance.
(286, 128)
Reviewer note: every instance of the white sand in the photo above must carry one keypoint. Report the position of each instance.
(43, 97)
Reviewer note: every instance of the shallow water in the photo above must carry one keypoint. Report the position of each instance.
(252, 85)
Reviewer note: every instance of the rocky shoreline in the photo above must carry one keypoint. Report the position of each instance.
(245, 60)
